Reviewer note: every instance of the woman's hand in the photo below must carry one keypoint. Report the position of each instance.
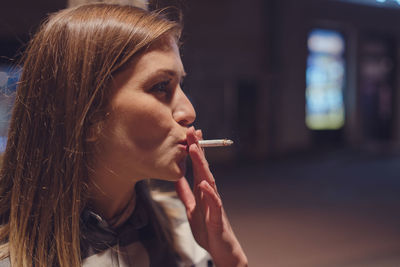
(206, 215)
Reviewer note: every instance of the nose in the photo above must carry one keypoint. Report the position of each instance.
(183, 111)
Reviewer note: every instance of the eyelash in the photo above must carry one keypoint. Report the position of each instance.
(161, 88)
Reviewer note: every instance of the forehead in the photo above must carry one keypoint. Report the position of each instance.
(163, 54)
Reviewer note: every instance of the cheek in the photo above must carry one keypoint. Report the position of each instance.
(145, 126)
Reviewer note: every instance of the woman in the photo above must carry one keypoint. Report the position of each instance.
(99, 110)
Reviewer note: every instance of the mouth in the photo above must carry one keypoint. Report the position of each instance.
(183, 145)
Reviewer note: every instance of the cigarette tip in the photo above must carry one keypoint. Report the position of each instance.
(229, 142)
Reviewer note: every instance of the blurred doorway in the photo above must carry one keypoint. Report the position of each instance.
(377, 86)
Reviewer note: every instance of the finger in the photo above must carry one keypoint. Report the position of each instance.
(214, 204)
(201, 170)
(194, 148)
(185, 194)
(201, 202)
(191, 137)
(199, 134)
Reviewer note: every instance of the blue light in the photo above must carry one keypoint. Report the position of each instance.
(383, 1)
(9, 77)
(325, 80)
(377, 3)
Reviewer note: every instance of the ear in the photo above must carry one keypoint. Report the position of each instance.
(92, 135)
(94, 131)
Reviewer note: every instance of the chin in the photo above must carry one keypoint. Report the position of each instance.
(174, 174)
(171, 172)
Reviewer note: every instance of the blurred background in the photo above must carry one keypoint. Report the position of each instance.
(310, 93)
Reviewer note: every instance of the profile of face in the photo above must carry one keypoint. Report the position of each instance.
(144, 135)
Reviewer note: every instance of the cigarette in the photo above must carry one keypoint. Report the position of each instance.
(215, 143)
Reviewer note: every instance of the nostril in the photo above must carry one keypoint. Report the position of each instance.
(184, 117)
(184, 123)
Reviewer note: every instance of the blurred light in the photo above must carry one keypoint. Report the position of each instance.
(325, 42)
(9, 77)
(383, 1)
(325, 80)
(379, 3)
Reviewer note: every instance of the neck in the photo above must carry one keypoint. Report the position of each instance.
(110, 194)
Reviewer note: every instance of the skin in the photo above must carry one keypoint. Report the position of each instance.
(146, 135)
(208, 221)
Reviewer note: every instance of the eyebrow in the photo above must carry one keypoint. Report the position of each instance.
(147, 81)
(169, 72)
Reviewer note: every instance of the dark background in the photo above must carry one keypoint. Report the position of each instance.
(296, 197)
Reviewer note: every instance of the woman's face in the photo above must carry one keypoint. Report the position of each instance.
(144, 135)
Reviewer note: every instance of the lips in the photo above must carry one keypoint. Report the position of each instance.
(183, 144)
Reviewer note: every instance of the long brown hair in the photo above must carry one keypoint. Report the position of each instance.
(62, 96)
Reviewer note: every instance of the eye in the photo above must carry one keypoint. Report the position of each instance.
(161, 88)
